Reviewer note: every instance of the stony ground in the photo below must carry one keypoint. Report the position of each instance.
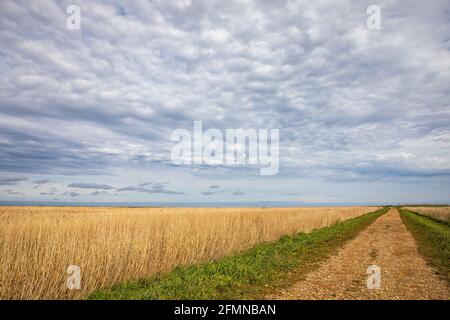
(387, 244)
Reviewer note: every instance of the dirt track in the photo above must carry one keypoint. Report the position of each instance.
(387, 244)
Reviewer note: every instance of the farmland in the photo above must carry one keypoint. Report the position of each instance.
(114, 245)
(439, 213)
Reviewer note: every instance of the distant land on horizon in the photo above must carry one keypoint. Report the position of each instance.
(269, 204)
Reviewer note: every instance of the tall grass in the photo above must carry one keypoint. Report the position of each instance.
(439, 213)
(110, 245)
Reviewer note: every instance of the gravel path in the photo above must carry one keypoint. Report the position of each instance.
(385, 243)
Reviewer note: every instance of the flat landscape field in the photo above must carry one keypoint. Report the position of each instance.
(115, 245)
(439, 213)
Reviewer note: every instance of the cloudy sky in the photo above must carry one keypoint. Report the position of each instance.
(87, 115)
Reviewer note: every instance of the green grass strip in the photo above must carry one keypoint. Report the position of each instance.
(433, 239)
(250, 274)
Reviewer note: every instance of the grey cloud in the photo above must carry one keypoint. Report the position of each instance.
(11, 181)
(214, 186)
(47, 193)
(13, 193)
(98, 193)
(71, 194)
(39, 183)
(150, 188)
(81, 185)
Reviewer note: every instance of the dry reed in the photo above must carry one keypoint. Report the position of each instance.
(440, 213)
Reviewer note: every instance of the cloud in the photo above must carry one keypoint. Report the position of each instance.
(150, 188)
(98, 193)
(238, 193)
(11, 181)
(144, 184)
(81, 185)
(42, 181)
(12, 192)
(210, 192)
(71, 194)
(351, 104)
(47, 193)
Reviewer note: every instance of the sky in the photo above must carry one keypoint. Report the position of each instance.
(86, 115)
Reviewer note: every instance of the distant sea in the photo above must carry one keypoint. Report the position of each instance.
(268, 204)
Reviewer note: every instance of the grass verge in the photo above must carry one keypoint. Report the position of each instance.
(433, 240)
(250, 274)
(429, 217)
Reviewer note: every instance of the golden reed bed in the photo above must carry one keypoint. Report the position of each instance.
(110, 245)
(441, 213)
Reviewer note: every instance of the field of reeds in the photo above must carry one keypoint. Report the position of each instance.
(111, 245)
(439, 213)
